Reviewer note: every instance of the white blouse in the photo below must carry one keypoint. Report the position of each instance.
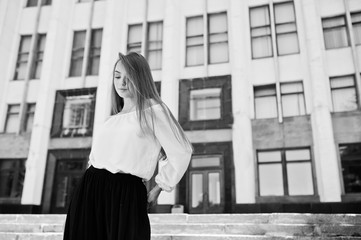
(117, 147)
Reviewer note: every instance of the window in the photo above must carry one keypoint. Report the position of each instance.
(77, 55)
(30, 117)
(293, 100)
(286, 172)
(286, 28)
(265, 101)
(356, 26)
(94, 54)
(217, 44)
(343, 92)
(78, 51)
(261, 35)
(38, 62)
(77, 113)
(12, 173)
(153, 42)
(12, 118)
(351, 167)
(73, 113)
(23, 57)
(34, 3)
(205, 104)
(155, 36)
(195, 41)
(335, 32)
(218, 38)
(134, 38)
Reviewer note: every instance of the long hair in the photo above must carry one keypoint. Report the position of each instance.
(138, 72)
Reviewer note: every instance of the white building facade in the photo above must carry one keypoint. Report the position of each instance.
(268, 91)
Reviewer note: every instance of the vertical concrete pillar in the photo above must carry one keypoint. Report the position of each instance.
(52, 69)
(241, 87)
(170, 68)
(324, 149)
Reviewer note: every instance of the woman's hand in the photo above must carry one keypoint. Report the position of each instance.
(153, 196)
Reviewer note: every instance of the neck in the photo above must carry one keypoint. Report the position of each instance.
(129, 104)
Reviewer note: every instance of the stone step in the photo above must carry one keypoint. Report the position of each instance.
(59, 236)
(211, 228)
(296, 218)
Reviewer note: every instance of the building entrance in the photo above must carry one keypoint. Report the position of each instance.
(206, 185)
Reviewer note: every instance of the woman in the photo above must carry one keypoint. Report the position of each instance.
(111, 200)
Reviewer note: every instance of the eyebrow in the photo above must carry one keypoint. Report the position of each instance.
(117, 71)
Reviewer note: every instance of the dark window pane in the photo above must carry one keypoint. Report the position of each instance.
(351, 167)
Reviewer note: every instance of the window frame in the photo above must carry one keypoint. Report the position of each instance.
(59, 106)
(286, 197)
(148, 43)
(280, 24)
(254, 99)
(9, 113)
(345, 26)
(19, 54)
(19, 167)
(354, 87)
(137, 44)
(92, 52)
(293, 93)
(263, 26)
(39, 55)
(185, 87)
(347, 196)
(29, 112)
(74, 50)
(194, 45)
(209, 34)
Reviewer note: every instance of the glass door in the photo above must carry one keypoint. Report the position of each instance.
(206, 188)
(67, 177)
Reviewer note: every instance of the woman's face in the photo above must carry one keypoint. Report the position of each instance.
(122, 84)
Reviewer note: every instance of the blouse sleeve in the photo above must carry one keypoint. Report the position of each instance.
(178, 154)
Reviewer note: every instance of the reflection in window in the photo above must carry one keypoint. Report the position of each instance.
(265, 101)
(94, 52)
(214, 188)
(38, 62)
(77, 54)
(134, 38)
(12, 118)
(197, 190)
(343, 93)
(23, 55)
(77, 114)
(205, 104)
(351, 167)
(293, 100)
(12, 174)
(30, 116)
(155, 38)
(335, 32)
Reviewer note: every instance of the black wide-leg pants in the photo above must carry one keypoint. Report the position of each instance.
(107, 206)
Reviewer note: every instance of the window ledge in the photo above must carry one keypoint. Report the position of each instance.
(287, 199)
(10, 200)
(351, 197)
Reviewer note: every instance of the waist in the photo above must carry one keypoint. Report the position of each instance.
(106, 173)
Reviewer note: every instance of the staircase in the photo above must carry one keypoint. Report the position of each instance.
(204, 227)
